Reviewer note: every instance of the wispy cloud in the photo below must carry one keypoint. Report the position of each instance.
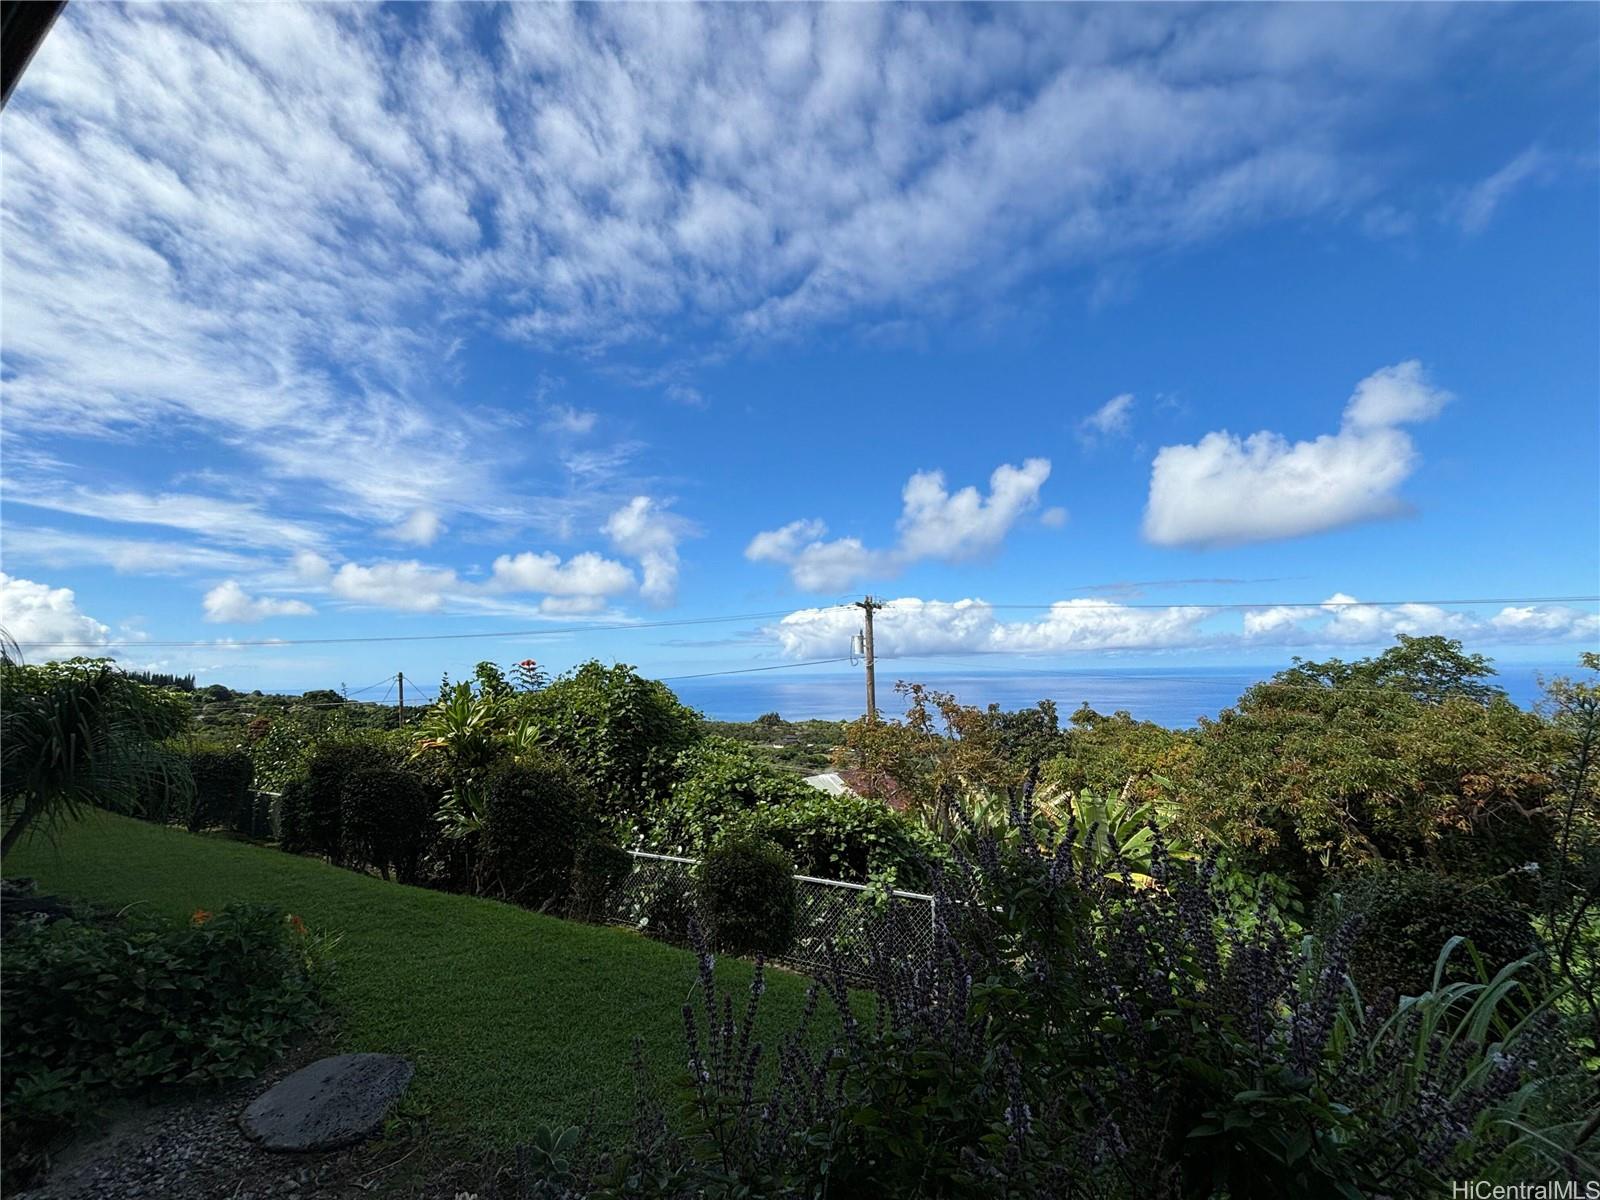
(1476, 206)
(1111, 419)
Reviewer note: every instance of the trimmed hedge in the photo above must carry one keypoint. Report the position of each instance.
(534, 819)
(747, 896)
(313, 810)
(386, 821)
(599, 868)
(223, 783)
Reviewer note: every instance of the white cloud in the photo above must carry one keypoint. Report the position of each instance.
(421, 528)
(1111, 419)
(587, 575)
(1396, 395)
(644, 530)
(937, 524)
(403, 586)
(1343, 620)
(909, 627)
(310, 567)
(1054, 517)
(1226, 489)
(1476, 206)
(37, 613)
(201, 234)
(1546, 622)
(228, 602)
(784, 544)
(934, 523)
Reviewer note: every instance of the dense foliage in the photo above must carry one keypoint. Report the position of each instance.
(1361, 959)
(746, 894)
(845, 837)
(621, 732)
(80, 734)
(385, 820)
(535, 818)
(796, 747)
(224, 792)
(313, 813)
(716, 781)
(1406, 914)
(100, 1009)
(1076, 1036)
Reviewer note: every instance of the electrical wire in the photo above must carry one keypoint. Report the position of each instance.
(622, 626)
(816, 662)
(547, 631)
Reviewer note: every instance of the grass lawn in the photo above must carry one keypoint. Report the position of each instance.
(514, 1020)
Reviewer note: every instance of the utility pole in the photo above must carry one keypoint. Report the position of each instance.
(867, 605)
(400, 678)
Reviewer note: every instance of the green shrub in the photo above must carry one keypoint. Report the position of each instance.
(166, 796)
(746, 894)
(667, 913)
(1408, 915)
(620, 732)
(718, 780)
(535, 816)
(319, 817)
(224, 778)
(386, 821)
(294, 812)
(96, 1012)
(598, 870)
(844, 837)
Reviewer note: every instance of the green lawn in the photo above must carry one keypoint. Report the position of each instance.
(513, 1019)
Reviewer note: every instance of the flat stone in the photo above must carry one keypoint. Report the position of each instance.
(333, 1102)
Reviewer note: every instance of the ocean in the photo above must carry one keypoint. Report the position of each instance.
(1174, 696)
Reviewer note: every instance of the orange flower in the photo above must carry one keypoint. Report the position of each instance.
(297, 925)
(200, 917)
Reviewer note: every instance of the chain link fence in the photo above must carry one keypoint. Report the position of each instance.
(658, 898)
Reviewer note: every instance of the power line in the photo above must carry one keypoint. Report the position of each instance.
(546, 631)
(560, 631)
(816, 662)
(1075, 606)
(371, 686)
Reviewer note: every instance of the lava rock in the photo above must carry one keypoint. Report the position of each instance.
(333, 1102)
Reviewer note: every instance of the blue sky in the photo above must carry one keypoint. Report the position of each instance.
(361, 322)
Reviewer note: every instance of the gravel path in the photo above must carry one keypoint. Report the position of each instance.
(193, 1150)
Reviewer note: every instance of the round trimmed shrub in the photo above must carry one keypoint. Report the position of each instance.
(385, 820)
(1409, 914)
(534, 818)
(747, 896)
(318, 826)
(223, 779)
(598, 870)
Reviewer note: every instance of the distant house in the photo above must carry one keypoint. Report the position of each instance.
(863, 783)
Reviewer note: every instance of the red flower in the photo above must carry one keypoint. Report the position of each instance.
(200, 916)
